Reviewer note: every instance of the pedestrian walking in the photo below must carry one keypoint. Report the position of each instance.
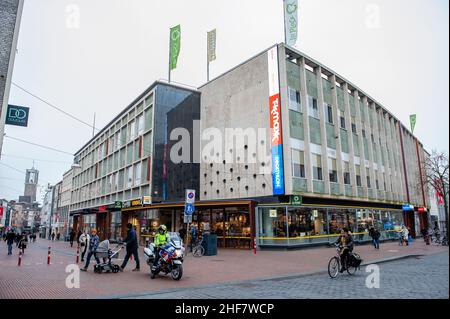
(375, 235)
(132, 247)
(53, 236)
(404, 235)
(94, 241)
(84, 243)
(23, 242)
(426, 237)
(194, 236)
(58, 236)
(10, 237)
(71, 237)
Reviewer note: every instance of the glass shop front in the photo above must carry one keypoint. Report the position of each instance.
(297, 226)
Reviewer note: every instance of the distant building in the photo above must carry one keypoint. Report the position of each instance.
(31, 183)
(10, 15)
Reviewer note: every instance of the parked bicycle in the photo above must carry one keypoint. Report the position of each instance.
(353, 263)
(198, 250)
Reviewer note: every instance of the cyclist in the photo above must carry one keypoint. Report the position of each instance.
(161, 239)
(345, 242)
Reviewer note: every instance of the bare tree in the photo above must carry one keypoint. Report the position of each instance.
(436, 176)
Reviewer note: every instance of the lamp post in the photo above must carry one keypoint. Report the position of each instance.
(52, 189)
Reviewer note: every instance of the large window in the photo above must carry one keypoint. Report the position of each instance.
(342, 119)
(137, 174)
(317, 167)
(358, 175)
(328, 113)
(347, 173)
(140, 125)
(313, 109)
(298, 163)
(306, 222)
(132, 130)
(294, 100)
(332, 169)
(129, 176)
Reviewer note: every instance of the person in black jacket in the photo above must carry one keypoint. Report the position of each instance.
(375, 235)
(132, 248)
(345, 242)
(10, 237)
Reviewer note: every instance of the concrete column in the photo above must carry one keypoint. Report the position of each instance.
(376, 135)
(359, 128)
(323, 129)
(369, 132)
(389, 159)
(337, 132)
(307, 138)
(348, 120)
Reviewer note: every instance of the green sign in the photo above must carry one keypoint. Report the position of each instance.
(413, 122)
(17, 115)
(175, 46)
(118, 205)
(296, 200)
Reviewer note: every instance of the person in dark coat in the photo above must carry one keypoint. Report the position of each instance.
(71, 237)
(132, 245)
(375, 235)
(10, 237)
(78, 236)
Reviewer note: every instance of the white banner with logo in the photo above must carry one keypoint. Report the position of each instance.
(291, 21)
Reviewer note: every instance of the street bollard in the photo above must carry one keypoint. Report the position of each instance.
(20, 259)
(48, 256)
(78, 254)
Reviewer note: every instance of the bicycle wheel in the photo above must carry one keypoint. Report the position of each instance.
(198, 251)
(333, 267)
(351, 270)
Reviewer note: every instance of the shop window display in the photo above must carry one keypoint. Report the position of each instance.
(306, 222)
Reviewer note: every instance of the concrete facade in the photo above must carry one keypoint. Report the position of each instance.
(338, 142)
(10, 15)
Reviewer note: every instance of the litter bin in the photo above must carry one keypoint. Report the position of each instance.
(210, 244)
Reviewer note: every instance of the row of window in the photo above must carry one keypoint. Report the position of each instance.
(141, 148)
(298, 169)
(132, 176)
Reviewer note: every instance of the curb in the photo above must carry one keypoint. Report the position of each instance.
(232, 283)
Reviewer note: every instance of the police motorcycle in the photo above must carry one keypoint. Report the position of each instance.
(170, 257)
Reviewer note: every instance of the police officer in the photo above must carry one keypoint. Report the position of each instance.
(161, 239)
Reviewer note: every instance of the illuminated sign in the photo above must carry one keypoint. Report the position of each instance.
(408, 207)
(275, 123)
(136, 202)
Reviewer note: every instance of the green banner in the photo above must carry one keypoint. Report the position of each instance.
(413, 122)
(175, 45)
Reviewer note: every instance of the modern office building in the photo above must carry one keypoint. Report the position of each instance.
(316, 154)
(128, 164)
(10, 15)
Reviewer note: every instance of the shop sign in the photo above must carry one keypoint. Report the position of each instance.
(1, 212)
(408, 207)
(118, 204)
(422, 210)
(17, 115)
(275, 123)
(136, 202)
(147, 200)
(102, 209)
(273, 213)
(296, 200)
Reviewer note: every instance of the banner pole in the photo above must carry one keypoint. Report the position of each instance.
(207, 58)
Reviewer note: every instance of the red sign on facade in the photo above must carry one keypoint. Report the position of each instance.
(1, 212)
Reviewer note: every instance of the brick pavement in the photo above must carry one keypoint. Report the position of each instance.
(424, 277)
(36, 279)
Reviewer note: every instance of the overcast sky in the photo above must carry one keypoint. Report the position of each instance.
(395, 50)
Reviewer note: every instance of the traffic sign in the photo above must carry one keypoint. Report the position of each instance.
(189, 209)
(190, 196)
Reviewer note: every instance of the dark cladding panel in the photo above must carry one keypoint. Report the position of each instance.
(174, 108)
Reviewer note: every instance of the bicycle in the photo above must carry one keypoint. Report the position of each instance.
(334, 265)
(198, 250)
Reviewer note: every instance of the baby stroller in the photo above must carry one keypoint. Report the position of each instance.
(103, 251)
